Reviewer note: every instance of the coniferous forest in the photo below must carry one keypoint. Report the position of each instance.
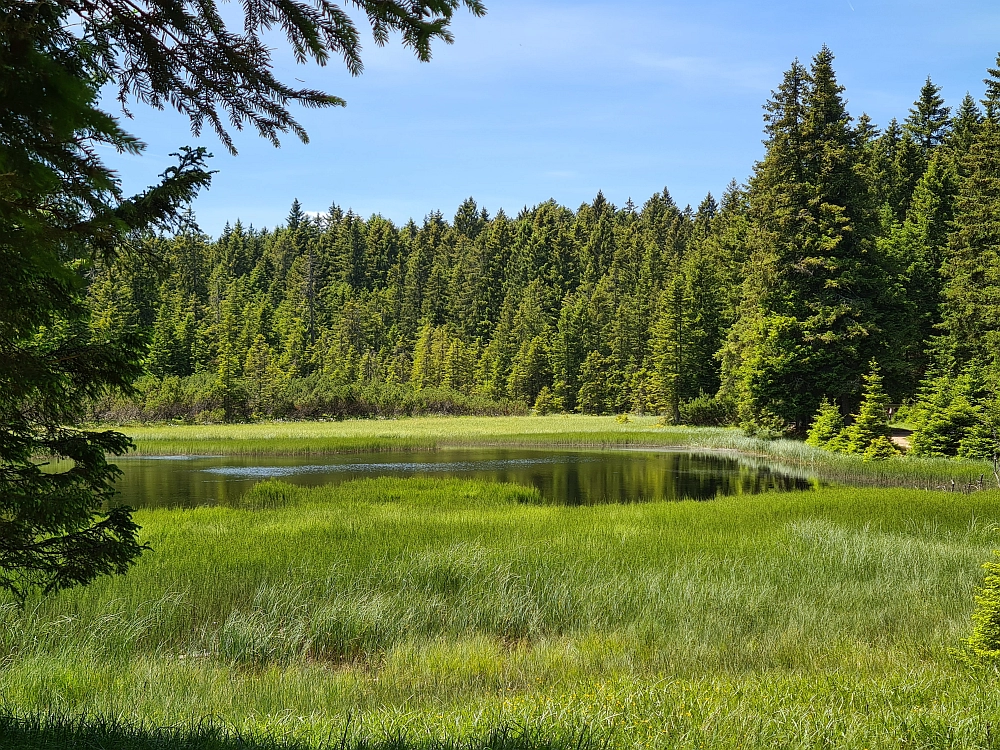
(855, 256)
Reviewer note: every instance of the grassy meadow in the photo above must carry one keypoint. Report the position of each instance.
(580, 431)
(404, 613)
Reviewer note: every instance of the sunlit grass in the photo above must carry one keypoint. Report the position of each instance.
(444, 609)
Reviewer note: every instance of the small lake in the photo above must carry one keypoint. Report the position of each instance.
(571, 477)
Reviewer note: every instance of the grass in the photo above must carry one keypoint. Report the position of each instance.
(441, 613)
(317, 438)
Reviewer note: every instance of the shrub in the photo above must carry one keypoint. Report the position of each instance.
(210, 416)
(827, 426)
(880, 449)
(545, 403)
(709, 411)
(984, 642)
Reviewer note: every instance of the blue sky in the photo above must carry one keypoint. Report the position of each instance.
(550, 99)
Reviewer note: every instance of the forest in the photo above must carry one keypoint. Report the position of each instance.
(853, 251)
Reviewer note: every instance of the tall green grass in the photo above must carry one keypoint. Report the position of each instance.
(423, 433)
(440, 610)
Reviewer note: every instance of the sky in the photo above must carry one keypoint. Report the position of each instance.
(553, 99)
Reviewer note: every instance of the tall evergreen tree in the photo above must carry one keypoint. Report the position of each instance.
(965, 125)
(804, 326)
(971, 307)
(929, 121)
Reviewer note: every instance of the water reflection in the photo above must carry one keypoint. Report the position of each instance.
(567, 477)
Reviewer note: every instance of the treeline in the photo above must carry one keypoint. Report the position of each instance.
(848, 244)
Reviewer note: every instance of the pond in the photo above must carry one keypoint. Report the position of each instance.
(572, 477)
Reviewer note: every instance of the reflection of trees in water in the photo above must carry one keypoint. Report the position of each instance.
(570, 477)
(662, 476)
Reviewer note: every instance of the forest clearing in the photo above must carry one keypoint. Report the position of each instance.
(718, 467)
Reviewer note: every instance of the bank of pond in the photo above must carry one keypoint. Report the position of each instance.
(511, 584)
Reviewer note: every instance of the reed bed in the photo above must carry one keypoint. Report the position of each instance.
(463, 613)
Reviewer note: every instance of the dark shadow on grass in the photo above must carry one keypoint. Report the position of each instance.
(50, 732)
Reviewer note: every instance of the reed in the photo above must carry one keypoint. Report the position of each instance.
(443, 611)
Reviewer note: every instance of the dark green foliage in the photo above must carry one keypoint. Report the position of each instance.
(198, 399)
(360, 307)
(911, 254)
(185, 55)
(971, 305)
(708, 411)
(806, 321)
(60, 210)
(957, 415)
(965, 125)
(846, 245)
(929, 119)
(64, 222)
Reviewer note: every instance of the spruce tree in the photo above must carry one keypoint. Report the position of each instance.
(805, 321)
(826, 426)
(991, 100)
(530, 371)
(872, 420)
(60, 209)
(984, 643)
(594, 396)
(669, 349)
(929, 120)
(964, 126)
(296, 216)
(910, 257)
(971, 305)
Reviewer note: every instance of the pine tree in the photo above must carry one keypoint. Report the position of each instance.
(258, 372)
(469, 220)
(929, 120)
(296, 216)
(423, 374)
(827, 425)
(991, 101)
(594, 396)
(984, 643)
(530, 371)
(910, 255)
(569, 349)
(60, 209)
(872, 420)
(668, 349)
(944, 414)
(971, 306)
(805, 322)
(964, 126)
(230, 362)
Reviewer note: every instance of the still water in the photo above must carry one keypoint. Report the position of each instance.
(567, 476)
